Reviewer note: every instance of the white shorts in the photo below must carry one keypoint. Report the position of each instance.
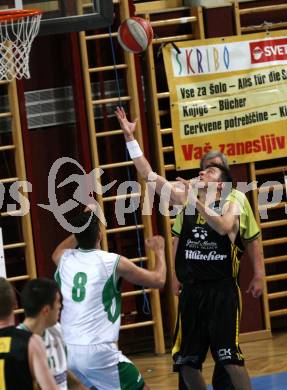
(104, 367)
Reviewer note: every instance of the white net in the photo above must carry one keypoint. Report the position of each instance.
(16, 37)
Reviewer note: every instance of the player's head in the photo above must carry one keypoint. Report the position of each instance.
(213, 157)
(41, 297)
(216, 173)
(7, 299)
(87, 238)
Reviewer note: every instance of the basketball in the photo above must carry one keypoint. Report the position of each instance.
(135, 34)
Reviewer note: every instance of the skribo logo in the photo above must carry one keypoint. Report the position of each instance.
(257, 53)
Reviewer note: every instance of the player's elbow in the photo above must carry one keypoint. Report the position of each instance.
(55, 257)
(160, 281)
(145, 174)
(222, 232)
(224, 229)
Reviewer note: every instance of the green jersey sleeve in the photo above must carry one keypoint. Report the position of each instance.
(176, 229)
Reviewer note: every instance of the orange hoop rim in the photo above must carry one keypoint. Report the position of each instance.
(15, 14)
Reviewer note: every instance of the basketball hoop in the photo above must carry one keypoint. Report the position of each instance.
(18, 29)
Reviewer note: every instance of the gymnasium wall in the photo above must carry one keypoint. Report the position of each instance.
(56, 70)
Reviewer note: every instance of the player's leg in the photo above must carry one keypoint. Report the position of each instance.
(224, 334)
(221, 379)
(104, 367)
(190, 342)
(129, 375)
(181, 384)
(239, 377)
(193, 378)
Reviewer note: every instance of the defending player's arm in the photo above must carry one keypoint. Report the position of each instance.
(253, 246)
(255, 254)
(176, 231)
(150, 278)
(38, 364)
(142, 165)
(176, 285)
(250, 234)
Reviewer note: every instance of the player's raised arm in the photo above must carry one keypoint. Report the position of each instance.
(69, 243)
(149, 278)
(141, 163)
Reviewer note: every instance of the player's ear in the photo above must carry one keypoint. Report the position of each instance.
(45, 310)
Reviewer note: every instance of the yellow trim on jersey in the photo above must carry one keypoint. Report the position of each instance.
(238, 318)
(234, 260)
(240, 300)
(5, 344)
(2, 375)
(237, 330)
(5, 347)
(177, 343)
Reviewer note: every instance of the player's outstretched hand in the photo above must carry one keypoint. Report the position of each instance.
(155, 243)
(189, 186)
(127, 126)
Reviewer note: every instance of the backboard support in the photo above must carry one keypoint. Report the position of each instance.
(63, 16)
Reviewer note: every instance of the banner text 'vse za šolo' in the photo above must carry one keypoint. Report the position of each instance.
(229, 94)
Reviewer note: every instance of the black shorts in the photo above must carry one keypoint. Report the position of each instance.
(208, 316)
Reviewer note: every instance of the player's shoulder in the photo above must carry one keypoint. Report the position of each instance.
(237, 195)
(55, 328)
(67, 253)
(55, 331)
(106, 254)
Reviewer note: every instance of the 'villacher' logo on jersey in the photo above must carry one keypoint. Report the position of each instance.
(268, 51)
(198, 255)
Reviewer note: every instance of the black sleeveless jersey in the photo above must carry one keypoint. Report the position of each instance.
(14, 365)
(203, 254)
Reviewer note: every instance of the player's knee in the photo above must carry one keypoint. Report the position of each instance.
(234, 369)
(220, 379)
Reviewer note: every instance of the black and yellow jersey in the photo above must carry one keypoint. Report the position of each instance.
(249, 230)
(14, 364)
(203, 254)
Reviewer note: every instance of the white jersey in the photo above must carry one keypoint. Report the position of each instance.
(91, 298)
(56, 354)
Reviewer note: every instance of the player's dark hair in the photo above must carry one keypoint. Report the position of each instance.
(38, 293)
(89, 236)
(225, 176)
(7, 298)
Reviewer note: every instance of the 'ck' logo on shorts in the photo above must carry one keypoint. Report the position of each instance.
(224, 353)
